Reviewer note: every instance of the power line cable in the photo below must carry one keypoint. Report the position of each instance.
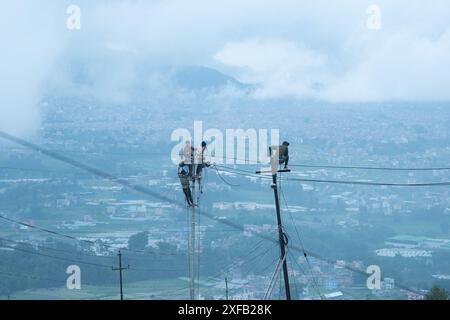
(363, 183)
(223, 179)
(249, 162)
(82, 262)
(369, 168)
(315, 284)
(238, 263)
(58, 258)
(56, 250)
(90, 242)
(150, 193)
(39, 278)
(349, 182)
(27, 276)
(444, 168)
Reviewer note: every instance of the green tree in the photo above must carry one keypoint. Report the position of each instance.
(166, 247)
(138, 241)
(437, 293)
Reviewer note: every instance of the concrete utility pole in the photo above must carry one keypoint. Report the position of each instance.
(281, 235)
(120, 269)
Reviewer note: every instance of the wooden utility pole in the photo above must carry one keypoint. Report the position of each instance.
(120, 269)
(281, 235)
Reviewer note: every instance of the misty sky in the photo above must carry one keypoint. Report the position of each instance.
(299, 49)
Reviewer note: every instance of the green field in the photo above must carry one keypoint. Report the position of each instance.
(167, 289)
(146, 290)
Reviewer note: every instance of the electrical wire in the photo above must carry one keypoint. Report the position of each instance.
(90, 242)
(38, 278)
(385, 184)
(444, 168)
(58, 258)
(27, 276)
(247, 161)
(348, 182)
(56, 250)
(223, 179)
(239, 263)
(369, 168)
(80, 261)
(315, 284)
(144, 190)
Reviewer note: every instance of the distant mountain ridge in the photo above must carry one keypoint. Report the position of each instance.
(136, 75)
(199, 77)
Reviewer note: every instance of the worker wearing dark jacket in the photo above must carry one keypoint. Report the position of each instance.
(202, 159)
(184, 179)
(283, 153)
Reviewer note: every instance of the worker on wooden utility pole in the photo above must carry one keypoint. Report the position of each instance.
(283, 155)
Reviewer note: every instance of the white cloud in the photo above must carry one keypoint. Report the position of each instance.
(400, 67)
(296, 48)
(280, 67)
(406, 60)
(29, 44)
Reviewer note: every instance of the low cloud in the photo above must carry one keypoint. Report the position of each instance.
(280, 68)
(29, 45)
(337, 58)
(402, 66)
(288, 48)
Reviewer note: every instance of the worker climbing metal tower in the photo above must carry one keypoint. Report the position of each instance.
(196, 160)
